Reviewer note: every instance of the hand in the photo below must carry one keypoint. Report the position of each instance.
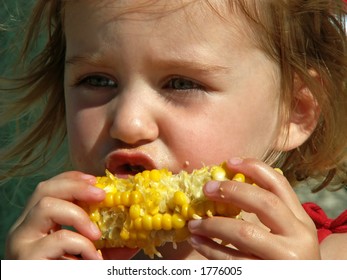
(38, 233)
(285, 232)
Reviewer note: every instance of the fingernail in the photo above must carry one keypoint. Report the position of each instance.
(212, 187)
(94, 228)
(95, 190)
(90, 178)
(235, 161)
(193, 224)
(98, 255)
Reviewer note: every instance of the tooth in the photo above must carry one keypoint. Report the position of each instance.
(135, 168)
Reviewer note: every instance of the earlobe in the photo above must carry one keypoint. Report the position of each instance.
(303, 118)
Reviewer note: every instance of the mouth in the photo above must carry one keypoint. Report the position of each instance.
(130, 169)
(123, 164)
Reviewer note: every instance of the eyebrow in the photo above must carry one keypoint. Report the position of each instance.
(162, 63)
(83, 59)
(193, 65)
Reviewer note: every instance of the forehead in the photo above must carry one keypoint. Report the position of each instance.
(146, 8)
(193, 13)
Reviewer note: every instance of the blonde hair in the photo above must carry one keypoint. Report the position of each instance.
(299, 35)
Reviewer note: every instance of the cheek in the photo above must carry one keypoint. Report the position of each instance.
(84, 127)
(230, 131)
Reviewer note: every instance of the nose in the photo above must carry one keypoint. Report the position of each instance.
(133, 119)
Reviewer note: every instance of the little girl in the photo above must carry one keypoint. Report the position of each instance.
(136, 85)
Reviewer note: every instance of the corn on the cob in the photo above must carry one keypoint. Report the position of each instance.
(151, 208)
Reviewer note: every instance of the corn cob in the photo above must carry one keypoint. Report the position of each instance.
(151, 208)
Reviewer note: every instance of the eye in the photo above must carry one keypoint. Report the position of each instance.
(182, 84)
(98, 81)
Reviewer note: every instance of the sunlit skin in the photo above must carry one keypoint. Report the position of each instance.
(177, 93)
(229, 106)
(177, 89)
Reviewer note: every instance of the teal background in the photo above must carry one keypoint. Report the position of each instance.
(13, 195)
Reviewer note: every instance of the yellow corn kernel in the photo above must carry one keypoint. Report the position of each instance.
(178, 221)
(95, 216)
(135, 211)
(155, 175)
(125, 198)
(147, 222)
(138, 223)
(239, 177)
(109, 199)
(153, 207)
(117, 198)
(145, 175)
(124, 234)
(135, 197)
(279, 171)
(218, 173)
(166, 221)
(157, 221)
(191, 211)
(180, 198)
(181, 234)
(185, 211)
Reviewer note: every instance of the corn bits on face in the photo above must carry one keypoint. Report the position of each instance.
(151, 208)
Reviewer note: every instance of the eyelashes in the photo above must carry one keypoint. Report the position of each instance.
(176, 89)
(172, 84)
(182, 84)
(97, 81)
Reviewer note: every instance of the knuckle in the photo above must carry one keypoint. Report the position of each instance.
(247, 231)
(271, 202)
(61, 235)
(41, 186)
(282, 181)
(45, 203)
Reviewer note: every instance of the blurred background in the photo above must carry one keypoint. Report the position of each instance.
(15, 193)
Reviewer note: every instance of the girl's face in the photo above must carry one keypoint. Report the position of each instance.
(154, 89)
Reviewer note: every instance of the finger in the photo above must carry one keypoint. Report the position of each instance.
(247, 237)
(269, 208)
(70, 186)
(214, 251)
(62, 244)
(52, 211)
(267, 178)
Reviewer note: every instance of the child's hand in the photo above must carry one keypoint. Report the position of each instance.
(38, 233)
(285, 231)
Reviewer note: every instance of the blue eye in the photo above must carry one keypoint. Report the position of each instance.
(182, 84)
(99, 81)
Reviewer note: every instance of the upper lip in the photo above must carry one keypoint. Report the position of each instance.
(128, 162)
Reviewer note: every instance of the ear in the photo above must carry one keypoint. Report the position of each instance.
(303, 117)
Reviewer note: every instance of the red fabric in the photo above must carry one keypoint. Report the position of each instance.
(326, 226)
